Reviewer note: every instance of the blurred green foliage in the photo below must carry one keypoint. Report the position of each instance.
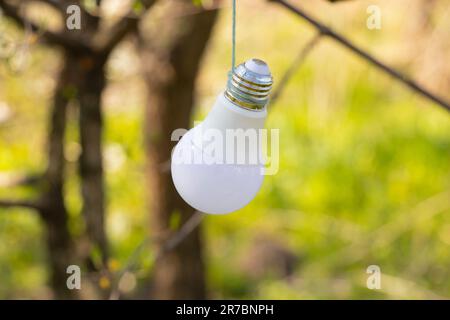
(364, 166)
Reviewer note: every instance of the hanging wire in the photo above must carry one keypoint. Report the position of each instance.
(233, 36)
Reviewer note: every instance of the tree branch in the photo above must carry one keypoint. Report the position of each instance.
(181, 234)
(107, 40)
(20, 204)
(61, 6)
(294, 66)
(58, 5)
(167, 246)
(52, 37)
(323, 29)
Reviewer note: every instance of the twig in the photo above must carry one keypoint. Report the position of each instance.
(166, 247)
(294, 66)
(362, 53)
(178, 237)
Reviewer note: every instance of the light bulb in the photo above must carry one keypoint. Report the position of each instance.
(217, 166)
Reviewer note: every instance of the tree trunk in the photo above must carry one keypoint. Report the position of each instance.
(53, 210)
(82, 79)
(171, 60)
(90, 162)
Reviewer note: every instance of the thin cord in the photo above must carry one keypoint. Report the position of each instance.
(233, 36)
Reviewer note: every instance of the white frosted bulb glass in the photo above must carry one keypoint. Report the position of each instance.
(215, 188)
(211, 174)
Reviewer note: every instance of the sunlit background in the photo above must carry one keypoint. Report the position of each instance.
(364, 175)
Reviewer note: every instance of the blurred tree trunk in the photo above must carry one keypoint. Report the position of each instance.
(90, 90)
(81, 78)
(171, 59)
(53, 210)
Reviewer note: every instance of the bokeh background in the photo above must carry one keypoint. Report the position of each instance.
(364, 175)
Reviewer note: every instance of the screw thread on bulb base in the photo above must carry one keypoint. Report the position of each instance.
(249, 85)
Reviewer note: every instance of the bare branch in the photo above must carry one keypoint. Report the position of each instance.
(62, 5)
(294, 66)
(20, 204)
(323, 29)
(167, 246)
(107, 40)
(184, 231)
(52, 37)
(58, 5)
